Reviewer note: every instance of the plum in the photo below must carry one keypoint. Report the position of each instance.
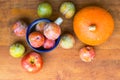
(19, 28)
(40, 26)
(48, 43)
(36, 39)
(52, 31)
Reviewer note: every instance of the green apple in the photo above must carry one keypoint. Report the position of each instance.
(67, 41)
(44, 10)
(17, 50)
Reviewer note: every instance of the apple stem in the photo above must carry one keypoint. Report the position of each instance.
(32, 61)
(92, 28)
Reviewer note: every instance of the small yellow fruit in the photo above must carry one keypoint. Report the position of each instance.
(67, 9)
(17, 50)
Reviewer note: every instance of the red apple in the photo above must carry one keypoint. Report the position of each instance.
(87, 53)
(36, 39)
(32, 62)
(49, 43)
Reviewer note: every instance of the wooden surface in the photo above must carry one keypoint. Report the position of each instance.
(59, 64)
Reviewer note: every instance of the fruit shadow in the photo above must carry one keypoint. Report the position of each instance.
(26, 20)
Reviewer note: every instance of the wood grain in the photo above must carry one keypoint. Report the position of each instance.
(59, 64)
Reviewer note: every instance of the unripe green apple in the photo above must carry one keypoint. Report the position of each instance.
(44, 10)
(67, 41)
(17, 50)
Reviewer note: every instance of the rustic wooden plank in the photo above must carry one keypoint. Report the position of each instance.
(64, 65)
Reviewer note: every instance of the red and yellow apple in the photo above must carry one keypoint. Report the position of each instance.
(32, 62)
(87, 54)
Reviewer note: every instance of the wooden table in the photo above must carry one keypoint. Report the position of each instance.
(59, 64)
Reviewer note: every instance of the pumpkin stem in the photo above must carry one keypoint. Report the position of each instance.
(92, 28)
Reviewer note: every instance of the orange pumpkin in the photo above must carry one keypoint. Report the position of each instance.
(93, 25)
